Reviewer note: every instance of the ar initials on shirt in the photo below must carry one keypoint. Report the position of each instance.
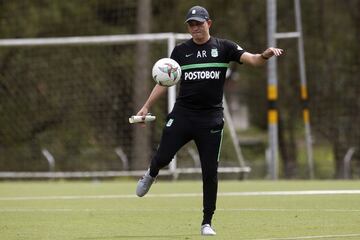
(201, 54)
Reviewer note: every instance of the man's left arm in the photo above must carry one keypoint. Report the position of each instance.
(260, 59)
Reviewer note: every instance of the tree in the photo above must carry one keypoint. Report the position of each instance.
(141, 87)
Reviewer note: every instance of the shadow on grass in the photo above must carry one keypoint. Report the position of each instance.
(143, 237)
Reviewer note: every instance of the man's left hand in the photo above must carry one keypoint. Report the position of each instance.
(271, 51)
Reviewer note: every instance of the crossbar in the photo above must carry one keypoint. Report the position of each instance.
(287, 35)
(91, 40)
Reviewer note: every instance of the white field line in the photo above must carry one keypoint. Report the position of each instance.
(285, 210)
(313, 237)
(172, 210)
(177, 195)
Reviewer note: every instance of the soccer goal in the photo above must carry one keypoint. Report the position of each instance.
(66, 103)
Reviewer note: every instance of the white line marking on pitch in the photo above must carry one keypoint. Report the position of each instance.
(171, 210)
(312, 237)
(172, 195)
(286, 210)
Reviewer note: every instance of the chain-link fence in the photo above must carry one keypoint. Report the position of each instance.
(73, 101)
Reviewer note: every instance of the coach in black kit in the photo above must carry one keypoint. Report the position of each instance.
(198, 112)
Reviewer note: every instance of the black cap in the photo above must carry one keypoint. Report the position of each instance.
(197, 13)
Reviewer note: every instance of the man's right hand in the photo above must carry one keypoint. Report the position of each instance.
(143, 112)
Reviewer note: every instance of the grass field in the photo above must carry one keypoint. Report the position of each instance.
(247, 210)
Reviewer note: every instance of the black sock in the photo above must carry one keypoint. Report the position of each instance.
(206, 221)
(153, 172)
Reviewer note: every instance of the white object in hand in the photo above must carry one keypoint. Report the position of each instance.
(139, 119)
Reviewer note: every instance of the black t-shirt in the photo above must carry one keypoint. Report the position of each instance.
(203, 72)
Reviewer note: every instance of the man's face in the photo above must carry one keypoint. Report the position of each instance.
(199, 30)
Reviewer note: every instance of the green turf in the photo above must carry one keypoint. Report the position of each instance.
(237, 217)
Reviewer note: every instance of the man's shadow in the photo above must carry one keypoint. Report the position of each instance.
(187, 236)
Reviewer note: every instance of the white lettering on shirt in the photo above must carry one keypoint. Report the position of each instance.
(199, 75)
(201, 54)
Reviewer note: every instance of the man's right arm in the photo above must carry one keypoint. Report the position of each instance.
(155, 94)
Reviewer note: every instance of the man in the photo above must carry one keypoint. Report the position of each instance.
(198, 112)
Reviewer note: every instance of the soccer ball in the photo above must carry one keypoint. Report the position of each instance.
(166, 72)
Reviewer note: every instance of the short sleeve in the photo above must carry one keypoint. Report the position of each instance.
(174, 54)
(234, 51)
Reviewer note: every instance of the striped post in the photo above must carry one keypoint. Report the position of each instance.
(272, 94)
(304, 92)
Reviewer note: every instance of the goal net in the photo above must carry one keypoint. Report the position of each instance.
(65, 104)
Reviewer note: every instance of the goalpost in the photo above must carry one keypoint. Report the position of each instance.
(237, 166)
